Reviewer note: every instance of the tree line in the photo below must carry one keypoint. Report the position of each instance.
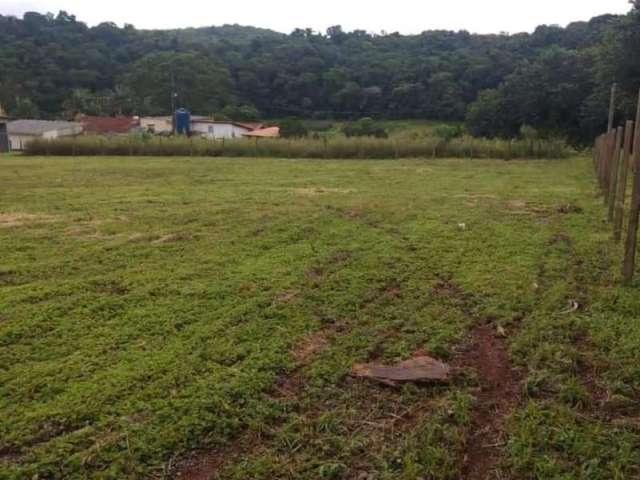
(554, 79)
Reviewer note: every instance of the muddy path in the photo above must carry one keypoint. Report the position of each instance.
(497, 397)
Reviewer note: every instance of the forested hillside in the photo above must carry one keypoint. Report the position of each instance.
(555, 79)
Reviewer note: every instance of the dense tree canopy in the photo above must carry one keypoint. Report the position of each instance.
(555, 79)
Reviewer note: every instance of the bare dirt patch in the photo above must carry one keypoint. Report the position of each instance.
(496, 399)
(353, 213)
(472, 200)
(522, 207)
(10, 456)
(18, 219)
(287, 297)
(481, 196)
(173, 238)
(314, 191)
(569, 208)
(207, 464)
(310, 346)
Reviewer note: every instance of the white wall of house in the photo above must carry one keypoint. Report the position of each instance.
(218, 130)
(19, 141)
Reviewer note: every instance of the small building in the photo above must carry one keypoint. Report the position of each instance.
(270, 132)
(214, 129)
(108, 125)
(158, 125)
(4, 135)
(21, 132)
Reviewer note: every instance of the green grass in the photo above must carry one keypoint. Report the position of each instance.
(308, 148)
(151, 306)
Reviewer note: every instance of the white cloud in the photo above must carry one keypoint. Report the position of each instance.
(406, 16)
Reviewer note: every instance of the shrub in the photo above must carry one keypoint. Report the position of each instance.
(448, 132)
(241, 113)
(340, 148)
(293, 128)
(365, 127)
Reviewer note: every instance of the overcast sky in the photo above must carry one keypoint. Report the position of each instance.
(405, 16)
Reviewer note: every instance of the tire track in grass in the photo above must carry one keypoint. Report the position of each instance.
(380, 415)
(497, 398)
(206, 464)
(498, 392)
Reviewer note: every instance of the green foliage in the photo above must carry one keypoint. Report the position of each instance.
(528, 133)
(106, 103)
(365, 127)
(293, 128)
(547, 93)
(241, 113)
(202, 85)
(486, 116)
(25, 108)
(448, 132)
(554, 79)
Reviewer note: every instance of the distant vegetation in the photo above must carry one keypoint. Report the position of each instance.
(364, 127)
(555, 79)
(334, 148)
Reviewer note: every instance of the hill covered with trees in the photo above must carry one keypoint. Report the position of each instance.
(554, 79)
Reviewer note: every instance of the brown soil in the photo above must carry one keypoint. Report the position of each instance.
(207, 464)
(288, 296)
(18, 219)
(9, 455)
(313, 191)
(495, 401)
(175, 237)
(522, 207)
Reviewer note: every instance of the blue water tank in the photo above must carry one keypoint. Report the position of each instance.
(183, 122)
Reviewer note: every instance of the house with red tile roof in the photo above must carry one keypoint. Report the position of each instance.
(108, 125)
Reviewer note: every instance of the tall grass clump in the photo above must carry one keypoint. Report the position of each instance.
(338, 148)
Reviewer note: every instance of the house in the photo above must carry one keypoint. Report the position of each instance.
(214, 129)
(108, 125)
(159, 125)
(271, 132)
(21, 132)
(205, 127)
(4, 137)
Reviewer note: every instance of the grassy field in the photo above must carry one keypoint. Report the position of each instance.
(199, 318)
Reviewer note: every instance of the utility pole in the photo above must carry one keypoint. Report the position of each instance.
(173, 101)
(612, 107)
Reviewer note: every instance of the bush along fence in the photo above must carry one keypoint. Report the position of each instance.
(616, 155)
(339, 148)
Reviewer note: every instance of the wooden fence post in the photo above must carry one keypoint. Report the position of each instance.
(628, 267)
(615, 168)
(606, 164)
(612, 107)
(622, 182)
(602, 146)
(632, 232)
